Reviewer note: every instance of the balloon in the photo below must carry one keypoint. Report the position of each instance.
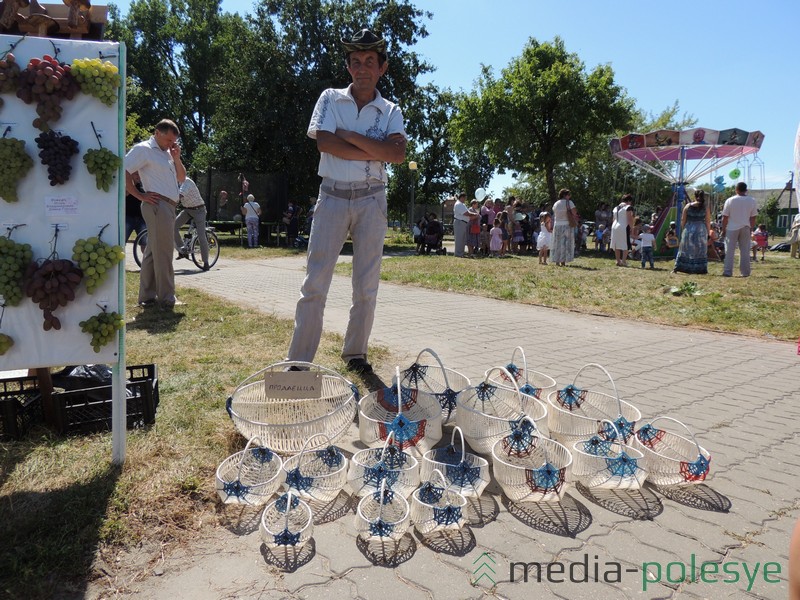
(720, 179)
(735, 174)
(480, 194)
(718, 187)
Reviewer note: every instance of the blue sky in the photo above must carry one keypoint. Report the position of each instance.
(729, 64)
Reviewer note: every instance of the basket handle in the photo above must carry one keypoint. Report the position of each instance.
(288, 508)
(453, 438)
(619, 437)
(536, 431)
(441, 476)
(689, 431)
(438, 360)
(244, 454)
(524, 361)
(305, 446)
(386, 442)
(399, 392)
(505, 372)
(603, 369)
(382, 493)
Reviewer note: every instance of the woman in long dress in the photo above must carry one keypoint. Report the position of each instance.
(695, 224)
(619, 230)
(562, 249)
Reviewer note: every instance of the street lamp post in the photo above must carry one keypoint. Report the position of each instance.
(412, 166)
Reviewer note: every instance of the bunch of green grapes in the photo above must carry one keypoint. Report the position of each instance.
(6, 341)
(103, 164)
(15, 163)
(52, 284)
(103, 328)
(99, 78)
(96, 259)
(55, 151)
(14, 258)
(9, 75)
(46, 82)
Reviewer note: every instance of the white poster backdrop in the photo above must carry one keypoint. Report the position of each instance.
(78, 208)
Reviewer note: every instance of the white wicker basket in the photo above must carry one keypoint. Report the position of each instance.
(573, 412)
(382, 515)
(250, 476)
(489, 412)
(437, 508)
(604, 463)
(464, 472)
(530, 468)
(414, 417)
(436, 379)
(317, 474)
(286, 522)
(370, 467)
(285, 424)
(672, 459)
(531, 383)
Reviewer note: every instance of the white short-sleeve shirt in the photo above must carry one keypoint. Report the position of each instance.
(190, 195)
(337, 109)
(155, 167)
(739, 209)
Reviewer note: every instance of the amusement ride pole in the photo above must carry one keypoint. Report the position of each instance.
(681, 192)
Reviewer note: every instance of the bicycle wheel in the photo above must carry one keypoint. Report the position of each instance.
(139, 244)
(213, 249)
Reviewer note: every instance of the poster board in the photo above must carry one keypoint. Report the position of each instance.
(78, 207)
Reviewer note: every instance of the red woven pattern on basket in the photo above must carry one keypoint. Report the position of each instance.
(654, 436)
(387, 398)
(571, 398)
(691, 472)
(540, 481)
(411, 436)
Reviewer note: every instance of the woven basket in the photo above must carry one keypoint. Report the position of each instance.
(672, 459)
(437, 507)
(371, 467)
(530, 468)
(416, 420)
(317, 474)
(436, 379)
(381, 515)
(285, 424)
(286, 522)
(574, 412)
(250, 476)
(531, 383)
(604, 463)
(489, 412)
(464, 472)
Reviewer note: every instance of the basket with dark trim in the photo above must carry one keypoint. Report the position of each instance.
(672, 459)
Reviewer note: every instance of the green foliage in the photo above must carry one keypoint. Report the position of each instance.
(768, 214)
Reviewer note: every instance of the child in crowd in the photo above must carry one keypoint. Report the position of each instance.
(761, 238)
(505, 224)
(607, 239)
(545, 233)
(671, 240)
(646, 242)
(485, 237)
(496, 241)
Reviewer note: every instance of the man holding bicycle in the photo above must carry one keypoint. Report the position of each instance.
(193, 208)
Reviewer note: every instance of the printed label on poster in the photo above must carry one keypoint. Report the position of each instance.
(61, 206)
(294, 385)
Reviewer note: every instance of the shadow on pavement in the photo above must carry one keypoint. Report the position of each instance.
(567, 518)
(698, 496)
(641, 504)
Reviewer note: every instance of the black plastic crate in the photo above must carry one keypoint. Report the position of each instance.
(20, 406)
(89, 409)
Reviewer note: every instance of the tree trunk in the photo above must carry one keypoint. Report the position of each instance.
(551, 182)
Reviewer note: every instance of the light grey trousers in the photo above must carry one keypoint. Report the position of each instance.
(737, 238)
(199, 216)
(157, 278)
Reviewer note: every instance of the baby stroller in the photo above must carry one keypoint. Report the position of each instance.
(434, 234)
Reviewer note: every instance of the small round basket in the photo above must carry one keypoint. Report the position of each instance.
(489, 412)
(464, 472)
(413, 416)
(672, 459)
(316, 474)
(530, 468)
(369, 468)
(436, 379)
(574, 412)
(531, 383)
(382, 515)
(437, 507)
(286, 522)
(250, 476)
(606, 462)
(286, 423)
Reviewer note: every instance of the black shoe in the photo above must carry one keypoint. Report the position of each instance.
(182, 255)
(147, 303)
(205, 267)
(359, 366)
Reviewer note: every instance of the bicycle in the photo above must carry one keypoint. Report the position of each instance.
(190, 241)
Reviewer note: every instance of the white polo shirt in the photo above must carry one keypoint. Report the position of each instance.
(190, 195)
(739, 209)
(155, 167)
(337, 109)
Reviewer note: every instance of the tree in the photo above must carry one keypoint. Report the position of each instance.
(543, 112)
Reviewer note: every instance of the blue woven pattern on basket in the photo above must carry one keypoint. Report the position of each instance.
(546, 478)
(463, 474)
(262, 455)
(388, 496)
(280, 503)
(514, 370)
(414, 374)
(625, 427)
(448, 515)
(286, 538)
(393, 457)
(296, 480)
(697, 470)
(405, 430)
(330, 456)
(381, 528)
(375, 475)
(235, 489)
(485, 391)
(447, 400)
(429, 493)
(521, 440)
(356, 393)
(529, 390)
(387, 398)
(597, 447)
(622, 465)
(571, 397)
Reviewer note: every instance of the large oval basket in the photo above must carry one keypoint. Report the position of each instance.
(604, 463)
(531, 383)
(671, 458)
(443, 383)
(284, 424)
(573, 412)
(250, 476)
